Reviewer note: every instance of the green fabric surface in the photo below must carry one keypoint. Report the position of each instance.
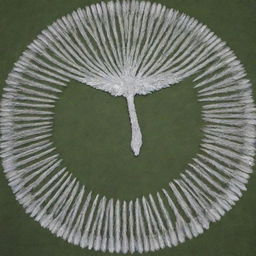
(92, 132)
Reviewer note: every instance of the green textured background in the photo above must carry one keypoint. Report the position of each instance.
(97, 150)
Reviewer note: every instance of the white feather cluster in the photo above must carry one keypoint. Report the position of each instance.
(127, 48)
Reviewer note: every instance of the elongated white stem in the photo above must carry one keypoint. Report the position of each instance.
(136, 141)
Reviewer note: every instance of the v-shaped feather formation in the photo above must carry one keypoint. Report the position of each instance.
(127, 48)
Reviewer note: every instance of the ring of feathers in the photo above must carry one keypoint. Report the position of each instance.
(105, 45)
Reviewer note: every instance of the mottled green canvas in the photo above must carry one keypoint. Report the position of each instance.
(98, 151)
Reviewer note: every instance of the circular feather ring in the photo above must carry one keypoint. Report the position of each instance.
(127, 48)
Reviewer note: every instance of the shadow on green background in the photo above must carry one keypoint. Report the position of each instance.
(98, 151)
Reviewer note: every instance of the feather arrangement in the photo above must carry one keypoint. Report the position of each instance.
(127, 48)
